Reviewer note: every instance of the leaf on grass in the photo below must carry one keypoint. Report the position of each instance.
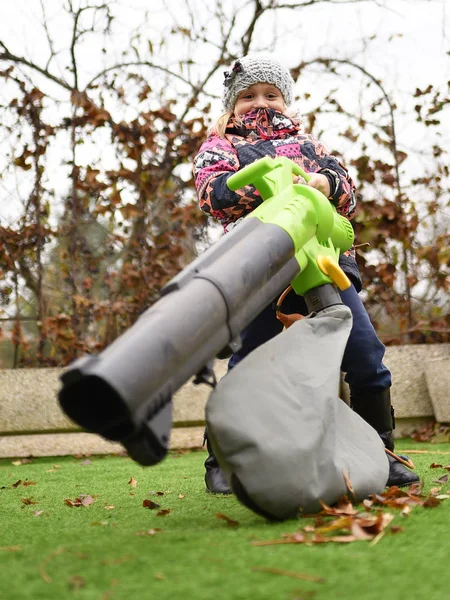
(118, 561)
(132, 482)
(180, 496)
(228, 520)
(76, 582)
(82, 500)
(294, 574)
(21, 461)
(37, 513)
(396, 528)
(150, 504)
(109, 507)
(164, 512)
(149, 531)
(443, 479)
(14, 485)
(160, 493)
(431, 502)
(343, 507)
(27, 501)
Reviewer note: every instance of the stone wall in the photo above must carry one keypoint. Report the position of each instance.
(29, 409)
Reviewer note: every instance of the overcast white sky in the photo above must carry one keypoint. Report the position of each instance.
(410, 48)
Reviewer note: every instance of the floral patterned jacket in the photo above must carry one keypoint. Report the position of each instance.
(265, 132)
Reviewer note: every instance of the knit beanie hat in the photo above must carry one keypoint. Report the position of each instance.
(256, 68)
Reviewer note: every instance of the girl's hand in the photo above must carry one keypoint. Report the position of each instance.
(321, 183)
(318, 181)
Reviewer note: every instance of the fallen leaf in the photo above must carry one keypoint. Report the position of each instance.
(150, 504)
(117, 561)
(228, 520)
(76, 582)
(82, 500)
(37, 513)
(28, 501)
(348, 484)
(180, 496)
(435, 466)
(14, 485)
(443, 479)
(109, 507)
(294, 574)
(149, 531)
(431, 502)
(132, 482)
(21, 461)
(164, 512)
(396, 528)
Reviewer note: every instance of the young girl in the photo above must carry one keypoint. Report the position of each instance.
(257, 93)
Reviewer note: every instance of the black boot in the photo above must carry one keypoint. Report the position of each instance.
(214, 477)
(374, 406)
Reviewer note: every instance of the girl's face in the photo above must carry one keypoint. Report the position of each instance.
(259, 95)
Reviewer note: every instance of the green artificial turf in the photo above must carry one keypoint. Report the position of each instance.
(51, 550)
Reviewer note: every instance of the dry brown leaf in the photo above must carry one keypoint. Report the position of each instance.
(76, 582)
(228, 520)
(82, 500)
(28, 501)
(164, 512)
(443, 479)
(348, 485)
(150, 504)
(294, 574)
(149, 531)
(15, 485)
(132, 482)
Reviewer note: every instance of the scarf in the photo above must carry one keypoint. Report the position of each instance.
(264, 123)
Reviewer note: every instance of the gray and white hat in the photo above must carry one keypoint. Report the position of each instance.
(256, 68)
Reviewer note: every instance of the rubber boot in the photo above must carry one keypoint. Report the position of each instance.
(374, 406)
(214, 476)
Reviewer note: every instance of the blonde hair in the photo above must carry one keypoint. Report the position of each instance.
(220, 126)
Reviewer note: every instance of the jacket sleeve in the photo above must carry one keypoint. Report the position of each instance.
(343, 192)
(215, 162)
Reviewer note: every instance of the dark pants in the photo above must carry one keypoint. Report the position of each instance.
(363, 357)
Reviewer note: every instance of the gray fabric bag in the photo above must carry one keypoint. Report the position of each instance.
(279, 430)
